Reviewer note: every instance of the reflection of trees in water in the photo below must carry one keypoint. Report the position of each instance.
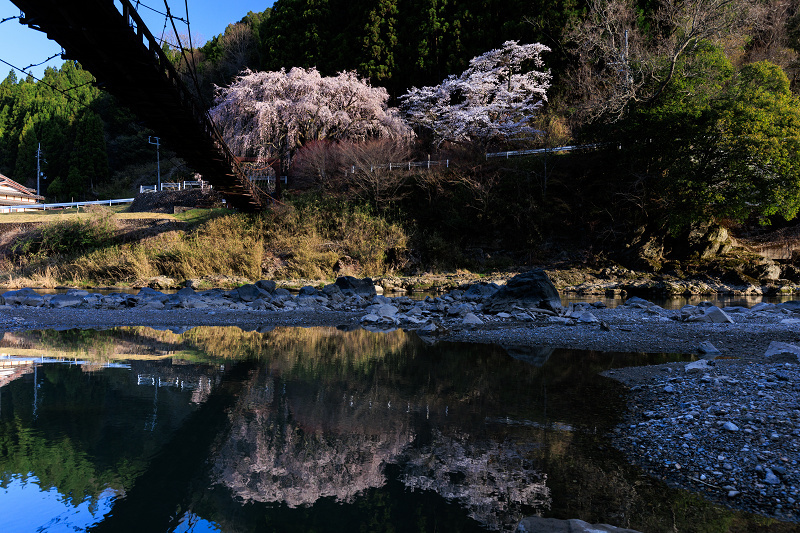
(311, 351)
(296, 442)
(272, 456)
(494, 481)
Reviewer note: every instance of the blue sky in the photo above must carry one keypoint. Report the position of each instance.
(22, 46)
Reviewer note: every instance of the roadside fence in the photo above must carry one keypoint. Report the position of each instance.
(65, 205)
(515, 153)
(176, 186)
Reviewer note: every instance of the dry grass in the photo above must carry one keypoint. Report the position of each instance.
(305, 242)
(312, 237)
(71, 214)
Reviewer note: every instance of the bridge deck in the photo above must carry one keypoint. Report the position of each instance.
(110, 40)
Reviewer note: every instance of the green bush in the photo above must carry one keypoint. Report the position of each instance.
(68, 237)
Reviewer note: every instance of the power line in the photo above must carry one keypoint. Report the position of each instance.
(159, 12)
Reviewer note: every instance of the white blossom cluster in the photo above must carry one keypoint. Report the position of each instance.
(271, 114)
(492, 100)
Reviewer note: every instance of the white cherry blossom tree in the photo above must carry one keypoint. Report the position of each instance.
(272, 114)
(493, 100)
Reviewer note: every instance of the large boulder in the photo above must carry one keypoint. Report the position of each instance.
(59, 301)
(24, 296)
(266, 285)
(708, 240)
(251, 293)
(528, 290)
(350, 285)
(479, 291)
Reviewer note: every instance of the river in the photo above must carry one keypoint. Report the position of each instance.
(318, 429)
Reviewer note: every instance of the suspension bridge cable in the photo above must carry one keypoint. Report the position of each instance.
(192, 72)
(193, 65)
(157, 11)
(45, 61)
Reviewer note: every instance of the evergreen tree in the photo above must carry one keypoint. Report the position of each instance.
(380, 41)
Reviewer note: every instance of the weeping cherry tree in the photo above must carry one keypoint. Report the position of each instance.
(272, 114)
(492, 101)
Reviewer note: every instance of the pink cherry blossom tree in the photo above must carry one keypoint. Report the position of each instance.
(492, 101)
(272, 114)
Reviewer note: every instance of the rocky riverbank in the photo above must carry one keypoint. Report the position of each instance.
(728, 426)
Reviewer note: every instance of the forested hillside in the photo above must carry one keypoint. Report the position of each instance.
(91, 147)
(397, 44)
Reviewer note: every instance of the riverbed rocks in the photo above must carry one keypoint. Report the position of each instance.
(730, 430)
(528, 300)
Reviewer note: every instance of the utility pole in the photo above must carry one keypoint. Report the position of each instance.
(158, 158)
(38, 167)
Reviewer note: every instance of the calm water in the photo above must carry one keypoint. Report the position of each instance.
(217, 429)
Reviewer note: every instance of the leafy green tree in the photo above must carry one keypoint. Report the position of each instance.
(720, 144)
(758, 152)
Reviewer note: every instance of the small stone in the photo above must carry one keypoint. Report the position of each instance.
(697, 366)
(770, 478)
(778, 348)
(730, 426)
(706, 348)
(470, 319)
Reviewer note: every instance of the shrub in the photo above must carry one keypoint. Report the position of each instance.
(68, 237)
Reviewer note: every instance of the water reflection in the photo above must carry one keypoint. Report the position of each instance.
(217, 429)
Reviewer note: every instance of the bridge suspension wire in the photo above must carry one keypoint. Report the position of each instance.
(189, 65)
(45, 61)
(193, 65)
(154, 10)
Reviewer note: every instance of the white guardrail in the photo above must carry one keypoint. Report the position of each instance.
(176, 186)
(45, 207)
(546, 150)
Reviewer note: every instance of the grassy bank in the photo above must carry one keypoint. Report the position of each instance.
(309, 238)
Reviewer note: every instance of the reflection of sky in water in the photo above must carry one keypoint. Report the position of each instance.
(191, 523)
(53, 512)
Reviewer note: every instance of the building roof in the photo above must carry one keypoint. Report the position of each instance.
(6, 182)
